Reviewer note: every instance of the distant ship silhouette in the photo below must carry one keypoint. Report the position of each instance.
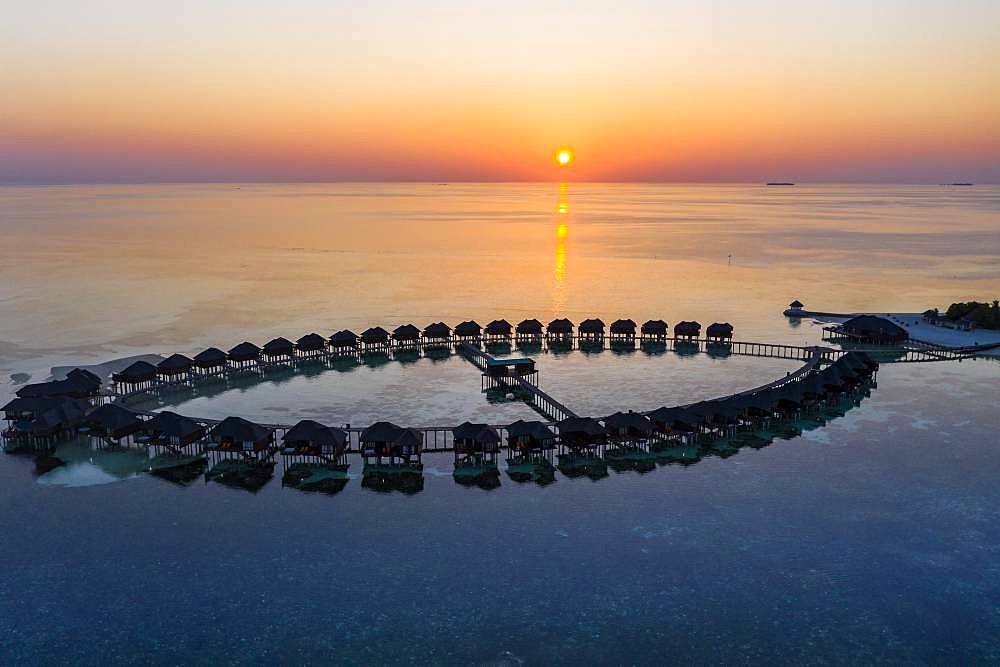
(780, 183)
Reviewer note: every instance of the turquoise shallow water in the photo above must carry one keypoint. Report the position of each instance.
(873, 538)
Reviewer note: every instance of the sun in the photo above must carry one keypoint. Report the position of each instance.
(564, 157)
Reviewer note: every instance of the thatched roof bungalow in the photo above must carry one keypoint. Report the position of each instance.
(623, 329)
(375, 337)
(559, 328)
(530, 435)
(385, 439)
(245, 354)
(676, 420)
(235, 434)
(628, 426)
(498, 329)
(577, 432)
(655, 329)
(475, 439)
(437, 332)
(529, 329)
(719, 331)
(112, 421)
(62, 418)
(311, 344)
(139, 375)
(469, 330)
(687, 329)
(310, 438)
(278, 349)
(343, 340)
(78, 384)
(27, 408)
(211, 360)
(872, 329)
(173, 429)
(592, 329)
(406, 334)
(174, 367)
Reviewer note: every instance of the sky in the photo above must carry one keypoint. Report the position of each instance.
(309, 90)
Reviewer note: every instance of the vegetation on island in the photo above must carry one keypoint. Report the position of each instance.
(985, 315)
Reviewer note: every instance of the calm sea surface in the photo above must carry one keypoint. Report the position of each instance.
(873, 538)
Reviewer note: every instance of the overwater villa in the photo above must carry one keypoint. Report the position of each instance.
(245, 356)
(632, 427)
(559, 330)
(374, 338)
(498, 330)
(174, 369)
(468, 331)
(869, 329)
(315, 457)
(384, 440)
(579, 438)
(210, 362)
(654, 330)
(719, 331)
(236, 435)
(139, 376)
(437, 334)
(591, 330)
(41, 421)
(529, 329)
(687, 330)
(112, 422)
(476, 449)
(406, 335)
(278, 350)
(173, 431)
(623, 331)
(310, 345)
(345, 341)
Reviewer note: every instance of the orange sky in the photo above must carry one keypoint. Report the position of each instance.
(314, 91)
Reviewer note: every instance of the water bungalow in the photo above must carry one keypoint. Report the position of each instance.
(112, 422)
(385, 440)
(315, 457)
(498, 330)
(629, 427)
(374, 339)
(243, 437)
(174, 369)
(344, 342)
(139, 376)
(245, 356)
(310, 345)
(468, 331)
(560, 331)
(437, 334)
(624, 330)
(406, 334)
(210, 362)
(592, 330)
(687, 330)
(278, 350)
(312, 439)
(529, 329)
(719, 331)
(870, 329)
(579, 438)
(27, 408)
(527, 436)
(476, 449)
(173, 431)
(654, 330)
(677, 423)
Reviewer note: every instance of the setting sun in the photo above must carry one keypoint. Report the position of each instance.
(564, 157)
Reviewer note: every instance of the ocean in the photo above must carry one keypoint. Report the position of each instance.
(872, 538)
